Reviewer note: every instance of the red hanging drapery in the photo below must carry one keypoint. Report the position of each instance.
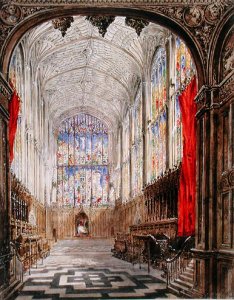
(187, 188)
(14, 106)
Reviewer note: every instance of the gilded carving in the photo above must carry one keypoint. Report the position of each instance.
(193, 16)
(199, 17)
(10, 14)
(227, 180)
(137, 24)
(226, 89)
(228, 54)
(231, 178)
(213, 13)
(201, 96)
(101, 22)
(44, 2)
(29, 10)
(5, 89)
(224, 182)
(62, 24)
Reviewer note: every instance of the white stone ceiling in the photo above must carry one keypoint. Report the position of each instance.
(84, 71)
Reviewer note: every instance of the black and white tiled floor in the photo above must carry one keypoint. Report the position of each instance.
(85, 269)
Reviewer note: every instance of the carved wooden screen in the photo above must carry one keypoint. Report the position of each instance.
(4, 232)
(82, 162)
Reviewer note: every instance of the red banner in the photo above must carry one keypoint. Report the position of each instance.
(14, 106)
(187, 189)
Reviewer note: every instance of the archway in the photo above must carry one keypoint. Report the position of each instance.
(82, 224)
(207, 169)
(159, 18)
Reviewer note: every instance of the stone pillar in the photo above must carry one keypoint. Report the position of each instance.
(5, 206)
(130, 151)
(145, 98)
(121, 162)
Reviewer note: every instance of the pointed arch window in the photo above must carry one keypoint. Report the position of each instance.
(158, 113)
(82, 162)
(184, 71)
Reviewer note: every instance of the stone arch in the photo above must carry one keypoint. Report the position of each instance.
(158, 17)
(82, 224)
(217, 59)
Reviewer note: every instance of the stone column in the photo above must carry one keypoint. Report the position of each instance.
(130, 151)
(121, 162)
(145, 98)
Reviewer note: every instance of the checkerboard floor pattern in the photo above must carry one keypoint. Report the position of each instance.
(86, 269)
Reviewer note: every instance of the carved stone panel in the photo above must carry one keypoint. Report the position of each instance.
(228, 54)
(225, 278)
(5, 93)
(225, 178)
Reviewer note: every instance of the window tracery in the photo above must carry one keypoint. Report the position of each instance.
(159, 113)
(184, 71)
(82, 162)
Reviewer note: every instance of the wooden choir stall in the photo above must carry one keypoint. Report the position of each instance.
(27, 227)
(155, 239)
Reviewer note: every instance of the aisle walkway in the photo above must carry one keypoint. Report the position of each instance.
(85, 269)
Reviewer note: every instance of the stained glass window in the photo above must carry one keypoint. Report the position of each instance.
(17, 79)
(159, 81)
(159, 114)
(82, 162)
(185, 69)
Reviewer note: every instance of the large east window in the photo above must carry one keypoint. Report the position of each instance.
(82, 162)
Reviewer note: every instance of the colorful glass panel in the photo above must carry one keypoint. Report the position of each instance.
(158, 78)
(82, 159)
(159, 114)
(185, 69)
(159, 131)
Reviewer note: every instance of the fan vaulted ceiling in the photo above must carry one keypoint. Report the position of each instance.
(85, 72)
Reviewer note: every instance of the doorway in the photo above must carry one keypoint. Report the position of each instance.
(82, 225)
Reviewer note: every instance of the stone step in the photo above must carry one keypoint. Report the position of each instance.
(188, 273)
(184, 284)
(186, 278)
(178, 288)
(12, 290)
(191, 267)
(191, 264)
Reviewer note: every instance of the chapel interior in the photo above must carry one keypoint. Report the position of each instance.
(116, 156)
